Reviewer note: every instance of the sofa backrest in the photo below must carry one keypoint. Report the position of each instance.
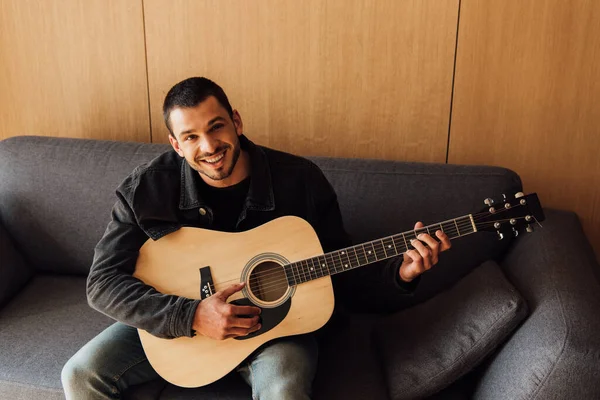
(380, 198)
(56, 195)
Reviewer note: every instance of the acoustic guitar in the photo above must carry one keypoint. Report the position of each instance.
(286, 275)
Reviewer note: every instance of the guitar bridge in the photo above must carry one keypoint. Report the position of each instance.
(207, 287)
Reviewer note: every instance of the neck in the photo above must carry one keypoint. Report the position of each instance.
(371, 252)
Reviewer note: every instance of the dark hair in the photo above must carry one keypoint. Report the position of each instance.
(191, 92)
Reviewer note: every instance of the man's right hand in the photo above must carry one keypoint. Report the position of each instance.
(217, 319)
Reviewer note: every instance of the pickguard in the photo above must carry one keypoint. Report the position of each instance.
(269, 317)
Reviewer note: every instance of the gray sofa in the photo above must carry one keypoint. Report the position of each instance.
(510, 319)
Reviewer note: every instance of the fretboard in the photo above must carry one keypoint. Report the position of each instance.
(367, 253)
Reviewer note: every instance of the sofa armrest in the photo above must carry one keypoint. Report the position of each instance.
(555, 354)
(14, 271)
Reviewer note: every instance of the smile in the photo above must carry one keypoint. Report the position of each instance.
(214, 160)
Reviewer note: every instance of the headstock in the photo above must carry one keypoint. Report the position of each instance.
(510, 215)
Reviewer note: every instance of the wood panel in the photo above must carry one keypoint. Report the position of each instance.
(74, 69)
(527, 90)
(341, 77)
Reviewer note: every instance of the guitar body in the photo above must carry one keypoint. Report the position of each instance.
(172, 266)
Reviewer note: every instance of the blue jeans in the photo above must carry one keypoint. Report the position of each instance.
(115, 360)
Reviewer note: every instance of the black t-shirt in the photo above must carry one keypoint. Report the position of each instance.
(226, 204)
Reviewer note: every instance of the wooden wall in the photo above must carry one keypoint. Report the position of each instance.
(345, 77)
(527, 95)
(511, 83)
(73, 68)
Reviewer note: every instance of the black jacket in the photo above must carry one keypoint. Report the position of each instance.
(164, 195)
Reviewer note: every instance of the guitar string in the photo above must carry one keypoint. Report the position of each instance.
(329, 259)
(281, 283)
(465, 225)
(303, 274)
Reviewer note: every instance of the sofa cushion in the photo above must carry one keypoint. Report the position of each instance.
(56, 195)
(426, 348)
(40, 329)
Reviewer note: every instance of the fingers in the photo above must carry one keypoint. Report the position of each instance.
(445, 240)
(240, 322)
(432, 245)
(421, 255)
(248, 311)
(235, 332)
(426, 249)
(225, 293)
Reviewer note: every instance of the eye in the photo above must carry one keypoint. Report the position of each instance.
(189, 138)
(215, 127)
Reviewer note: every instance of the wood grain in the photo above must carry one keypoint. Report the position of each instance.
(73, 68)
(350, 78)
(526, 96)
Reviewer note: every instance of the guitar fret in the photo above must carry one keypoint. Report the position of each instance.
(363, 255)
(296, 272)
(389, 247)
(323, 262)
(289, 274)
(313, 273)
(332, 263)
(370, 253)
(302, 271)
(405, 244)
(314, 268)
(356, 256)
(345, 260)
(307, 271)
(379, 249)
(324, 271)
(457, 230)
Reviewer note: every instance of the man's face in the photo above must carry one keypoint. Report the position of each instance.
(208, 138)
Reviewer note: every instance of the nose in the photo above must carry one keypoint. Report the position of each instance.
(208, 145)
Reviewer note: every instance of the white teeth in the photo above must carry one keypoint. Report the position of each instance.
(216, 159)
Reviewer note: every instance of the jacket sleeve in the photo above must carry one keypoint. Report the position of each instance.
(371, 288)
(113, 290)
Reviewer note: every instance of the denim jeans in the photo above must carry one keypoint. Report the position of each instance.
(115, 360)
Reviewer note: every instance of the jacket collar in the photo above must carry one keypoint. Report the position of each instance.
(260, 194)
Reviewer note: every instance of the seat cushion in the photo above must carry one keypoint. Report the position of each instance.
(427, 347)
(40, 329)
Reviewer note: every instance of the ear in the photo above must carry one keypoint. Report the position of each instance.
(175, 145)
(237, 122)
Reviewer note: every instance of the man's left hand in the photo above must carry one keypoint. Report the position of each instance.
(424, 255)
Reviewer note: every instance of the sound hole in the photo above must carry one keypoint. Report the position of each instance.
(268, 281)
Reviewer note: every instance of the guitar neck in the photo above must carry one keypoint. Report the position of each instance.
(370, 252)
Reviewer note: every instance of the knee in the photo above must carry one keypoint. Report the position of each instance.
(79, 379)
(74, 373)
(285, 389)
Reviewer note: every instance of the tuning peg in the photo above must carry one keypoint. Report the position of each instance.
(488, 202)
(529, 228)
(500, 235)
(515, 232)
(518, 195)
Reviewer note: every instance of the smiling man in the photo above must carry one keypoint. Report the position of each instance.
(215, 178)
(209, 141)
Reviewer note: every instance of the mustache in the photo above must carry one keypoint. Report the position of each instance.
(218, 150)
